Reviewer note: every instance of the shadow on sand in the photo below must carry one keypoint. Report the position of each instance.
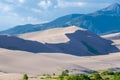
(82, 43)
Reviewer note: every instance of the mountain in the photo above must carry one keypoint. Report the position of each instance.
(70, 40)
(60, 22)
(99, 24)
(113, 9)
(103, 21)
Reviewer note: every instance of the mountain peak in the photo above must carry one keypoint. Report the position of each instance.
(114, 6)
(113, 9)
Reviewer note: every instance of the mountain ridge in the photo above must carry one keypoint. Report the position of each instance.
(103, 21)
(113, 9)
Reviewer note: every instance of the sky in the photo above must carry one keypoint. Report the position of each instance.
(20, 12)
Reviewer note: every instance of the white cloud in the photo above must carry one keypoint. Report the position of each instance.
(5, 8)
(29, 19)
(36, 10)
(22, 1)
(64, 4)
(45, 4)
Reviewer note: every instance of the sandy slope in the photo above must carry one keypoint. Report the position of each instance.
(22, 62)
(71, 40)
(56, 35)
(115, 38)
(14, 63)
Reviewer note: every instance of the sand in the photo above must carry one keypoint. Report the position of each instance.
(15, 63)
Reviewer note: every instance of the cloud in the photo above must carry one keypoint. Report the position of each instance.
(5, 8)
(45, 4)
(36, 10)
(65, 4)
(81, 4)
(22, 1)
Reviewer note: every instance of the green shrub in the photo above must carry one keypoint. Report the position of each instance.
(25, 77)
(48, 76)
(105, 75)
(75, 77)
(65, 73)
(108, 72)
(115, 77)
(61, 77)
(117, 73)
(95, 76)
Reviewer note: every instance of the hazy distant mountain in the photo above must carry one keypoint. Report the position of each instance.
(38, 27)
(104, 21)
(113, 9)
(70, 40)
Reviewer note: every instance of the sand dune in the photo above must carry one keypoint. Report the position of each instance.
(72, 40)
(56, 35)
(14, 63)
(24, 62)
(115, 38)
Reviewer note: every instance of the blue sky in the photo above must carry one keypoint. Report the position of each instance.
(19, 12)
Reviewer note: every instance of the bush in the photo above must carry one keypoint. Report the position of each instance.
(48, 76)
(76, 77)
(83, 77)
(65, 73)
(117, 73)
(53, 74)
(25, 77)
(108, 72)
(115, 77)
(105, 75)
(95, 76)
(61, 77)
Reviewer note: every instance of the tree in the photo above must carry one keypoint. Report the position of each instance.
(25, 77)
